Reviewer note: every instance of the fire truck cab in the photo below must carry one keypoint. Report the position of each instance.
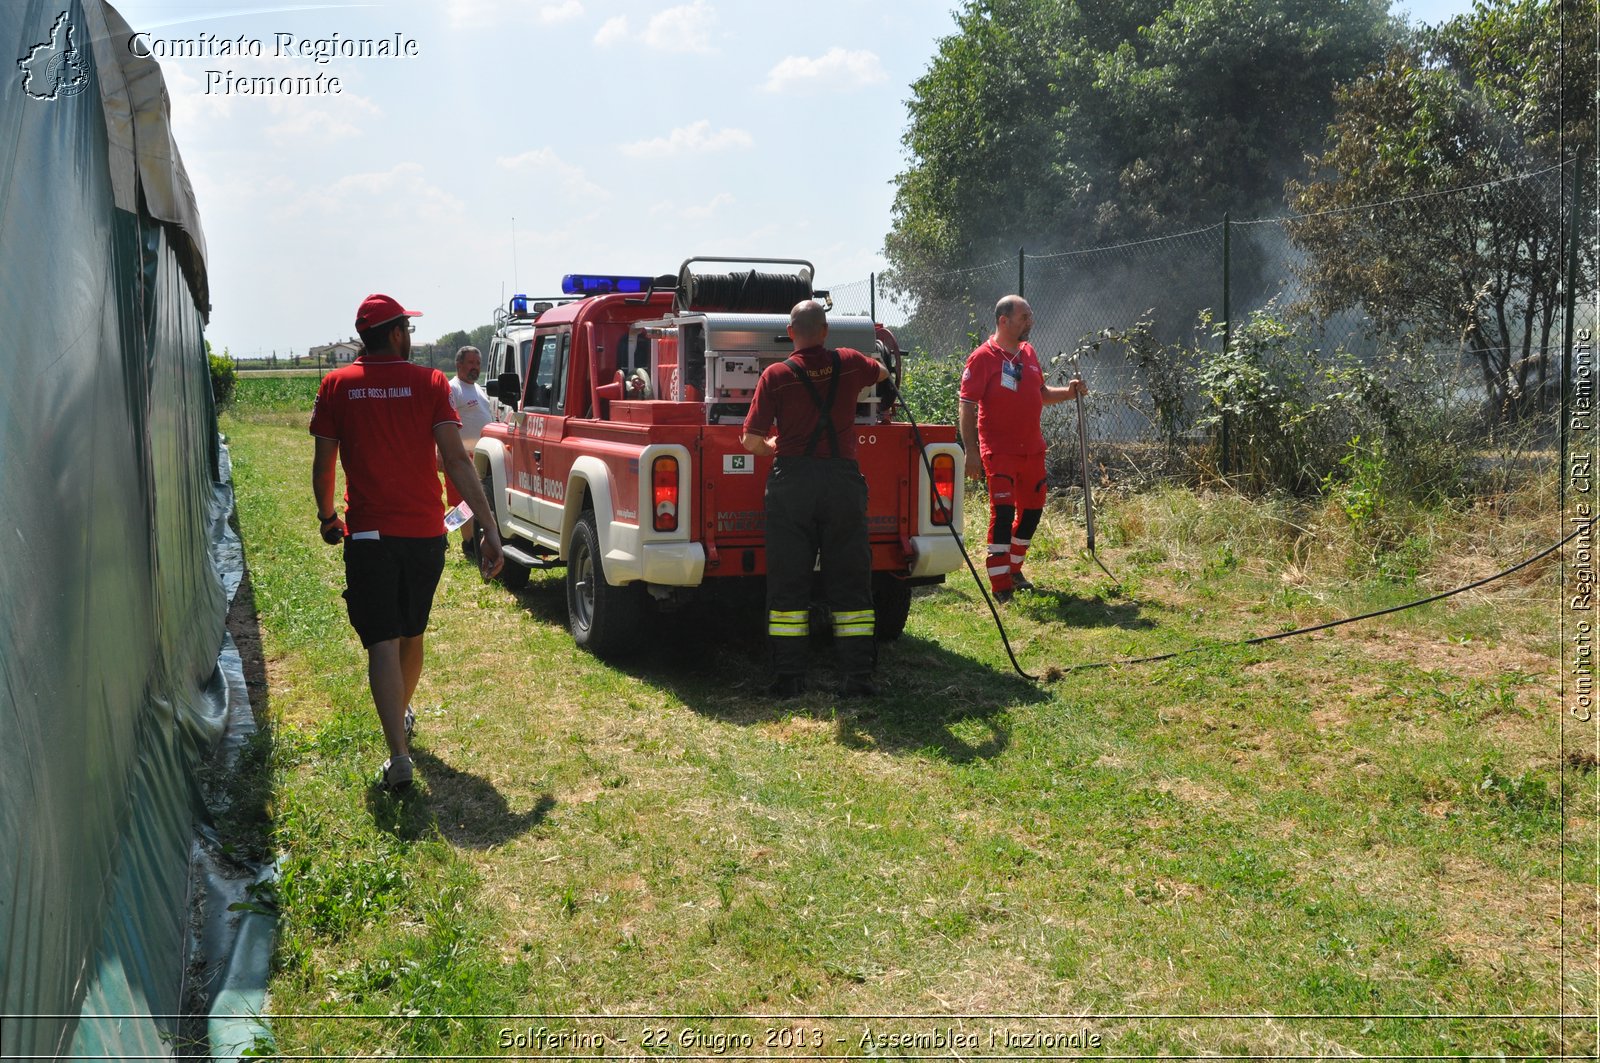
(619, 454)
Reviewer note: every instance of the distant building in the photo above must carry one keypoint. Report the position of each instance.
(342, 353)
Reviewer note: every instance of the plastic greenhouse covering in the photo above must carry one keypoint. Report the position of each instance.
(117, 681)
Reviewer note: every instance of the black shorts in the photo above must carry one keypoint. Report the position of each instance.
(389, 585)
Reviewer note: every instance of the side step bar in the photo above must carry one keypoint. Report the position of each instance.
(521, 557)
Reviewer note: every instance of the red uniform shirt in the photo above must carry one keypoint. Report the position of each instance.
(781, 398)
(383, 411)
(1009, 392)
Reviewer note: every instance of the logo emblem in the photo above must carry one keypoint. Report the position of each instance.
(55, 68)
(736, 464)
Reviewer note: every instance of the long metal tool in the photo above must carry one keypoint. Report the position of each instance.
(1088, 488)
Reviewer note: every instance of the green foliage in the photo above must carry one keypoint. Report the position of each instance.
(930, 388)
(1474, 103)
(1042, 123)
(1286, 422)
(1359, 491)
(1296, 418)
(258, 393)
(1161, 383)
(223, 377)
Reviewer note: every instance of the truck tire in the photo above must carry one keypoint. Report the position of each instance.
(604, 619)
(512, 575)
(891, 599)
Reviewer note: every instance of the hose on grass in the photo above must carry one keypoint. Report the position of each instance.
(1055, 672)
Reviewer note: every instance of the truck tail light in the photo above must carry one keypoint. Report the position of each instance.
(664, 493)
(942, 500)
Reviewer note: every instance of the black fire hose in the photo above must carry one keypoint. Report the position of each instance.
(1055, 672)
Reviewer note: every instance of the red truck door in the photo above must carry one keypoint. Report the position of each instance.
(538, 465)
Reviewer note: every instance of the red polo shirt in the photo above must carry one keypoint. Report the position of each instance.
(1008, 417)
(382, 411)
(781, 398)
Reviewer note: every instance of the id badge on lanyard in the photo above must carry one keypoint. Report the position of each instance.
(1010, 374)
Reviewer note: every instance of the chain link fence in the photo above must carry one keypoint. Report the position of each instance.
(1473, 330)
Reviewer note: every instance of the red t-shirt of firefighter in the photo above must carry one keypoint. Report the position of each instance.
(1008, 389)
(781, 398)
(382, 411)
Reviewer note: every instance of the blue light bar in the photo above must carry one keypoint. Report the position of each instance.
(519, 304)
(602, 284)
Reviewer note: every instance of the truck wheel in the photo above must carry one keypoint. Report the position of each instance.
(512, 575)
(603, 618)
(891, 598)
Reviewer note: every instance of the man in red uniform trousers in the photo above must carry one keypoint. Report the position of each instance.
(382, 417)
(1002, 396)
(816, 502)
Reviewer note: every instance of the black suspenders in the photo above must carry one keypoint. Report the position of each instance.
(824, 412)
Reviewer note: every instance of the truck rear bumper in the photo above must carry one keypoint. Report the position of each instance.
(934, 555)
(668, 564)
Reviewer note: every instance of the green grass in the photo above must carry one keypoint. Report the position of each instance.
(1363, 823)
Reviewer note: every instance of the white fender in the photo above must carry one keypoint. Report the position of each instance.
(489, 456)
(589, 476)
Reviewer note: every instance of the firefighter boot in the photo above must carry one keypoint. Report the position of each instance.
(788, 644)
(856, 650)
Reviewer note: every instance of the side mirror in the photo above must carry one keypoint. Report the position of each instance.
(491, 388)
(508, 388)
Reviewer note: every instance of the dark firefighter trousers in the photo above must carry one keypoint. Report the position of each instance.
(819, 506)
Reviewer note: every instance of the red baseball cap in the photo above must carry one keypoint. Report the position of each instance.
(377, 309)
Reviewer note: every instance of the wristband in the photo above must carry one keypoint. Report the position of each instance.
(331, 516)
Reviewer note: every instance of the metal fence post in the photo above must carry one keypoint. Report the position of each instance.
(872, 296)
(1227, 330)
(1021, 275)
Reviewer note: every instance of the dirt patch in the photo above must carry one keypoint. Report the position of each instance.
(245, 627)
(1191, 792)
(1474, 659)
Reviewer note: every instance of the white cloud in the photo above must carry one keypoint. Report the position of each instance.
(695, 138)
(304, 122)
(613, 30)
(400, 194)
(555, 14)
(312, 127)
(545, 162)
(686, 28)
(698, 213)
(837, 70)
(491, 14)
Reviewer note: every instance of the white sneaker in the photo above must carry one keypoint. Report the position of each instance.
(396, 774)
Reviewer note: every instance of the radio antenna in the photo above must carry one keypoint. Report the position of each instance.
(514, 281)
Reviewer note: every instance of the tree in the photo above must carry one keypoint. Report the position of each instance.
(1463, 245)
(1058, 124)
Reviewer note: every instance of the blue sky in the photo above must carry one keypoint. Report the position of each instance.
(622, 137)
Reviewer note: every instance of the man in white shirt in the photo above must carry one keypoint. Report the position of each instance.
(472, 406)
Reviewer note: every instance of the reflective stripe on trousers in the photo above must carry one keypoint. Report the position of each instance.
(788, 623)
(855, 623)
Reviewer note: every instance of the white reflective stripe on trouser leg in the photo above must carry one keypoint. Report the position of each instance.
(784, 623)
(853, 622)
(1019, 550)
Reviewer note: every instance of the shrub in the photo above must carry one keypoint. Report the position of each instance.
(930, 388)
(223, 379)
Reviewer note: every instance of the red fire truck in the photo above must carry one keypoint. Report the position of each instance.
(619, 455)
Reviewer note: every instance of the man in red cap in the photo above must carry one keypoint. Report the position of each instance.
(382, 418)
(1003, 394)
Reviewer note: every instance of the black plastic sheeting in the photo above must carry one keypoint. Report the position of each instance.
(111, 601)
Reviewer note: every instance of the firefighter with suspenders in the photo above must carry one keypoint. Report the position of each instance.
(816, 502)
